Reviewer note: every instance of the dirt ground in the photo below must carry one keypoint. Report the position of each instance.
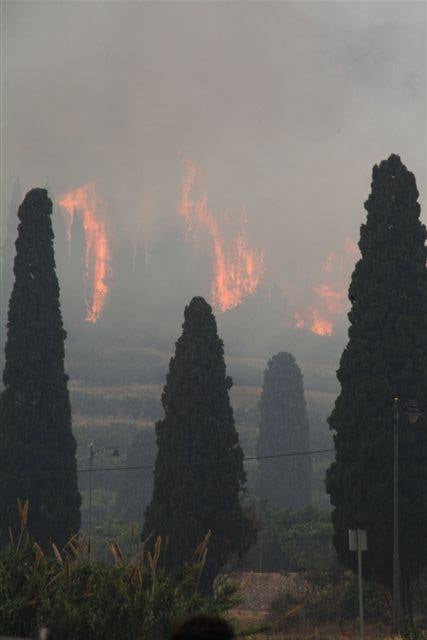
(260, 589)
(348, 631)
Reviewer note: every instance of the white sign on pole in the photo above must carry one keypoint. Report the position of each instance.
(357, 540)
(352, 539)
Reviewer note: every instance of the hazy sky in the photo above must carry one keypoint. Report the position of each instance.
(283, 106)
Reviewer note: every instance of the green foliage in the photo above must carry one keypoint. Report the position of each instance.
(412, 631)
(37, 447)
(199, 474)
(295, 541)
(386, 357)
(78, 599)
(306, 538)
(284, 482)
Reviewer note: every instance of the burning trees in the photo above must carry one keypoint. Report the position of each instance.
(284, 428)
(86, 203)
(199, 473)
(37, 447)
(386, 357)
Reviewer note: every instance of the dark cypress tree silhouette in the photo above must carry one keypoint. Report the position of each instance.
(37, 447)
(199, 474)
(284, 428)
(386, 357)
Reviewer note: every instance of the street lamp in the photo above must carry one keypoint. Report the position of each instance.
(412, 412)
(92, 453)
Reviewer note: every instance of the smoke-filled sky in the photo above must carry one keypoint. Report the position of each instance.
(284, 107)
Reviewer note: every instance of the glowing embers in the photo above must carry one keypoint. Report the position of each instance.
(237, 268)
(91, 208)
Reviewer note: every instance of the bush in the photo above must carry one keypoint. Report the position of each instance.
(79, 599)
(306, 538)
(293, 540)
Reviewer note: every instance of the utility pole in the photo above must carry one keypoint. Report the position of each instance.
(92, 454)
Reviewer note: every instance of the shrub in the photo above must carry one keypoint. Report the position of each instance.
(294, 540)
(79, 599)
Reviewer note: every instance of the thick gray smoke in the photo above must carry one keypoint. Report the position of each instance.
(284, 107)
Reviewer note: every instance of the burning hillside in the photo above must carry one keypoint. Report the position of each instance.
(237, 267)
(329, 297)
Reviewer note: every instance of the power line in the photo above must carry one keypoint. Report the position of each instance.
(38, 472)
(248, 459)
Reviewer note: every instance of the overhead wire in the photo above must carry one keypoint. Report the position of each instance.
(289, 454)
(246, 459)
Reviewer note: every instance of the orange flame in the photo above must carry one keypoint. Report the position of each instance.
(321, 326)
(237, 270)
(334, 298)
(85, 201)
(330, 298)
(316, 323)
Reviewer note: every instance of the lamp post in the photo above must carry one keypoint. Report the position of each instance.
(92, 453)
(413, 413)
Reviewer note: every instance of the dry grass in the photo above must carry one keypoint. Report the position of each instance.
(244, 396)
(117, 390)
(326, 631)
(259, 590)
(239, 395)
(82, 421)
(166, 355)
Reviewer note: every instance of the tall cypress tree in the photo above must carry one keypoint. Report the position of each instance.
(284, 428)
(386, 357)
(198, 476)
(37, 447)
